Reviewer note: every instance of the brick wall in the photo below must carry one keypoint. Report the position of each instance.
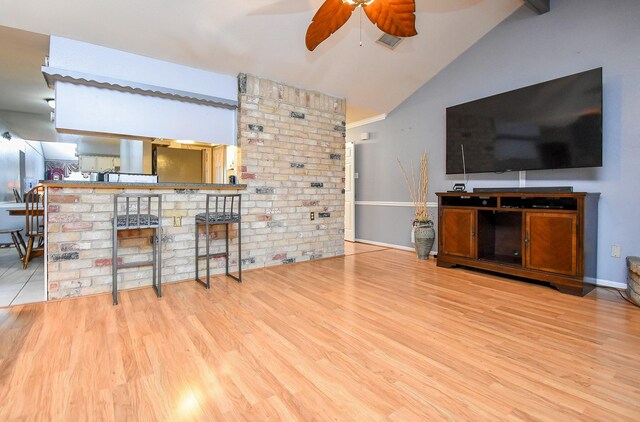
(292, 159)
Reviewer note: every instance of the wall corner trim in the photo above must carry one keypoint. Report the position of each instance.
(363, 122)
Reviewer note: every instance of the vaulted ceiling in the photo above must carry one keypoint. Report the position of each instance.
(261, 37)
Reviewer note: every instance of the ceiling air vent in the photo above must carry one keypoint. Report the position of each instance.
(389, 41)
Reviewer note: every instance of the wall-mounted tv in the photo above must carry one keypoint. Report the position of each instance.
(550, 125)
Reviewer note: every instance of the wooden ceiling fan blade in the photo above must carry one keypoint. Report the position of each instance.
(394, 17)
(327, 20)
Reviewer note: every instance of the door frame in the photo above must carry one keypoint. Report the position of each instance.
(349, 194)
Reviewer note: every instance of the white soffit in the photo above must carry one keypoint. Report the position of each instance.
(130, 114)
(103, 91)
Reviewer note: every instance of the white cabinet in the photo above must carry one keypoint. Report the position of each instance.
(89, 163)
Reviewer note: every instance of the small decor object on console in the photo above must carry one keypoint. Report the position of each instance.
(422, 225)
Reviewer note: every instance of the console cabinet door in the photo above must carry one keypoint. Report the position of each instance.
(551, 242)
(458, 228)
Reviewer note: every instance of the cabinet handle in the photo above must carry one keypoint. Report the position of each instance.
(526, 239)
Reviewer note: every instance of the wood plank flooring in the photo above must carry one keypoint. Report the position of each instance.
(371, 336)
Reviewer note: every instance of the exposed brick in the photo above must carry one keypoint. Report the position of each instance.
(265, 191)
(289, 261)
(67, 247)
(310, 203)
(297, 165)
(66, 256)
(256, 128)
(242, 83)
(265, 218)
(317, 184)
(63, 218)
(53, 208)
(105, 262)
(258, 142)
(67, 199)
(248, 176)
(324, 214)
(77, 227)
(297, 115)
(335, 156)
(279, 257)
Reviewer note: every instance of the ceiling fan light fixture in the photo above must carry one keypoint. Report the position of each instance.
(394, 17)
(359, 2)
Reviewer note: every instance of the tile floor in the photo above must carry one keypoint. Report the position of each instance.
(19, 286)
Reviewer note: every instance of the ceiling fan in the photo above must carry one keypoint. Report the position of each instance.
(394, 17)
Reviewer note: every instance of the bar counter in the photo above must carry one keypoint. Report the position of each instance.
(159, 185)
(79, 235)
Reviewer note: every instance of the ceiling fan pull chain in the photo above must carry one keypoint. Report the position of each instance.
(360, 25)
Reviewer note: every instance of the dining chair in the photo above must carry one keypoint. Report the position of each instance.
(34, 205)
(16, 196)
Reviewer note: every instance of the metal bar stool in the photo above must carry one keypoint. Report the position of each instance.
(220, 209)
(134, 212)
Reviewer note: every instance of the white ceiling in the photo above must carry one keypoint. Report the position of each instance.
(261, 37)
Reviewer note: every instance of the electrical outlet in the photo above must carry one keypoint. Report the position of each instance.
(312, 215)
(177, 221)
(615, 251)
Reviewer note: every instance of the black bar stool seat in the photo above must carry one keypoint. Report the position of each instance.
(220, 209)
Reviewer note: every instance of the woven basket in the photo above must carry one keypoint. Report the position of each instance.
(633, 279)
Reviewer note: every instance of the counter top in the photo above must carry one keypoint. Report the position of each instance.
(138, 185)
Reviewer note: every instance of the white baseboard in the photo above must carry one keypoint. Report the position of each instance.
(598, 282)
(394, 204)
(608, 283)
(390, 245)
(386, 245)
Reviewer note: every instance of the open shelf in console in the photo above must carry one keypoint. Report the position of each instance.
(540, 202)
(500, 237)
(470, 201)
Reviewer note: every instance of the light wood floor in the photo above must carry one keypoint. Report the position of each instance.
(372, 336)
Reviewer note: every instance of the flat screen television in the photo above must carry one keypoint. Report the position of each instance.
(550, 125)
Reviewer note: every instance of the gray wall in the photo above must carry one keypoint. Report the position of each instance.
(576, 35)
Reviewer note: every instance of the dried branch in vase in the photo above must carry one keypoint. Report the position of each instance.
(418, 188)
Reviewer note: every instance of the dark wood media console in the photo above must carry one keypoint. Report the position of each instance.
(550, 237)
